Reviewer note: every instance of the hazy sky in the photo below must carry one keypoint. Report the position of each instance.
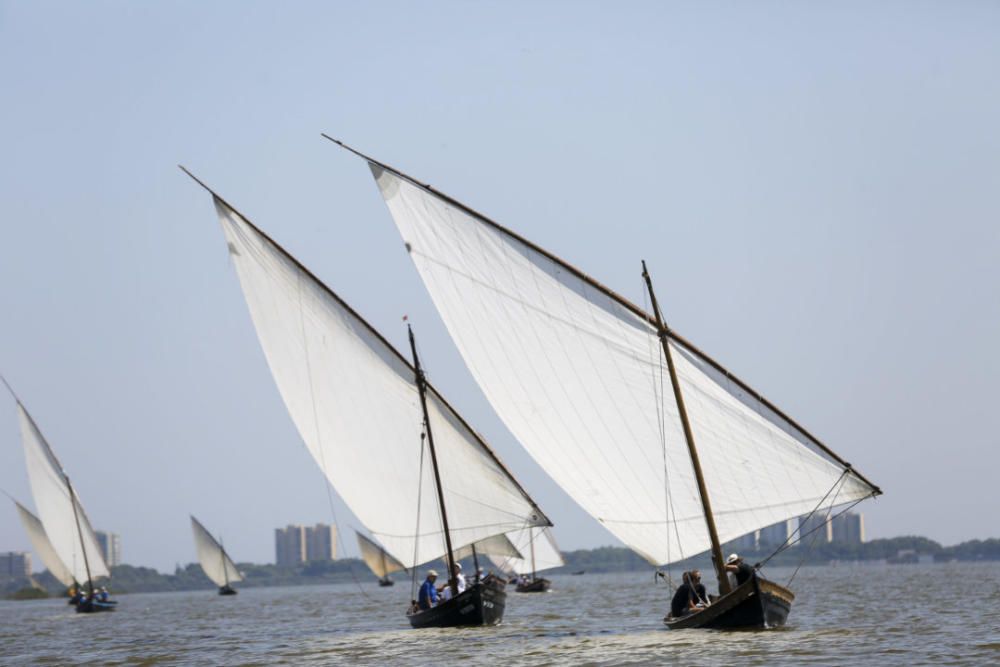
(815, 188)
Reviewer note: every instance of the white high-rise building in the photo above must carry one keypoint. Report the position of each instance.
(111, 547)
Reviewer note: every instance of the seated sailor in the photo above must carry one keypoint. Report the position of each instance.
(428, 596)
(689, 597)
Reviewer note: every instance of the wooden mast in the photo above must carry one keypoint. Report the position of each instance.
(79, 531)
(419, 373)
(664, 334)
(531, 541)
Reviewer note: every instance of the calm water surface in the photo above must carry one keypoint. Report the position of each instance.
(849, 614)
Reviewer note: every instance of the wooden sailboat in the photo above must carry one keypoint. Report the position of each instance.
(214, 560)
(358, 405)
(380, 562)
(67, 529)
(578, 372)
(542, 554)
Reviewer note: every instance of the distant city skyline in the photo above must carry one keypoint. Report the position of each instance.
(813, 187)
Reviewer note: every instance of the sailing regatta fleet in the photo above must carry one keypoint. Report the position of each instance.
(656, 440)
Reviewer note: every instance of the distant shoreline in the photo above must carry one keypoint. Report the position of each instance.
(897, 550)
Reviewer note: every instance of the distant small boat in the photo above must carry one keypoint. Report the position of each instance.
(215, 562)
(544, 555)
(378, 560)
(578, 573)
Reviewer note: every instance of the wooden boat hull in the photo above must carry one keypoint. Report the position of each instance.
(757, 604)
(94, 606)
(480, 604)
(535, 586)
(227, 590)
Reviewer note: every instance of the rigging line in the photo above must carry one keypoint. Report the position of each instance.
(319, 442)
(416, 534)
(826, 521)
(661, 427)
(798, 529)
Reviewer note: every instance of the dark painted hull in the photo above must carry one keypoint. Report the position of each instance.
(757, 604)
(227, 590)
(480, 604)
(536, 586)
(386, 582)
(94, 606)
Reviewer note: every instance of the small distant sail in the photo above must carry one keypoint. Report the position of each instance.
(376, 558)
(43, 547)
(355, 402)
(498, 546)
(55, 500)
(213, 558)
(546, 552)
(575, 372)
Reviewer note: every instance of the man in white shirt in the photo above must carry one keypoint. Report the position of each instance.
(460, 580)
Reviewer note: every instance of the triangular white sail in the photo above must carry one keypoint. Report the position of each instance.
(355, 402)
(376, 558)
(576, 374)
(498, 546)
(546, 552)
(216, 563)
(43, 547)
(55, 504)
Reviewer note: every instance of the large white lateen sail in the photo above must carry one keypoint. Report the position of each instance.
(576, 373)
(355, 402)
(66, 524)
(539, 549)
(43, 547)
(215, 562)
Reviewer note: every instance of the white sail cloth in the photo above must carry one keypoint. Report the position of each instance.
(578, 378)
(55, 502)
(215, 562)
(540, 552)
(498, 545)
(376, 558)
(355, 403)
(43, 547)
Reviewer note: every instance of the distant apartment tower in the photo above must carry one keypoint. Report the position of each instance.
(776, 534)
(848, 528)
(321, 542)
(289, 545)
(111, 547)
(815, 529)
(15, 565)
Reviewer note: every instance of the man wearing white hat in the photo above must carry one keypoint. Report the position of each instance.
(739, 569)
